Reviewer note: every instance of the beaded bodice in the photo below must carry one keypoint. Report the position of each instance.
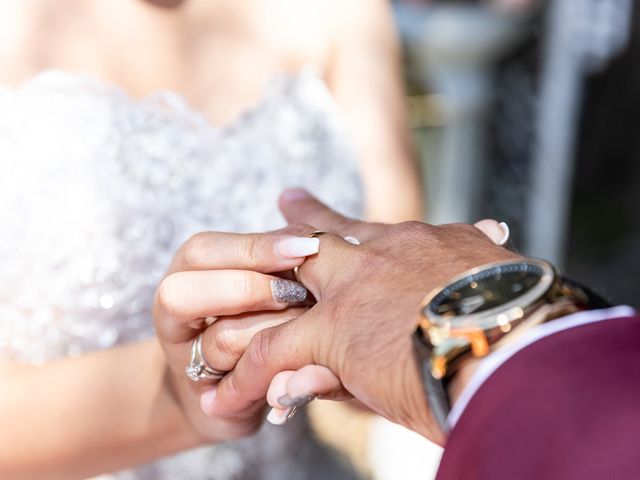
(98, 190)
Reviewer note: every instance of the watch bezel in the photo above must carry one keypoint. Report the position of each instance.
(500, 317)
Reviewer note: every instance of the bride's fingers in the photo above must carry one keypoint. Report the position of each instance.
(290, 390)
(224, 342)
(266, 252)
(185, 297)
(497, 232)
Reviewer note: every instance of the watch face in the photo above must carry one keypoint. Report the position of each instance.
(487, 290)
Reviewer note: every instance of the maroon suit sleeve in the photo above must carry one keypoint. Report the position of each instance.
(565, 407)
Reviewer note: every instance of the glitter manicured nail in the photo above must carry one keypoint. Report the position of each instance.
(288, 291)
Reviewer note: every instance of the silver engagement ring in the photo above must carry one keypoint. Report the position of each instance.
(198, 368)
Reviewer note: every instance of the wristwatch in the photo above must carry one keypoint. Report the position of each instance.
(483, 309)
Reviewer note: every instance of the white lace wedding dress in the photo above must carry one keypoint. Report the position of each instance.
(98, 190)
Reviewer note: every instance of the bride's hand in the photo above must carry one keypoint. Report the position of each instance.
(228, 280)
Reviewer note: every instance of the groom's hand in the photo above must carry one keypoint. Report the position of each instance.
(368, 303)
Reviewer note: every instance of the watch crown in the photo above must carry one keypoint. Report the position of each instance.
(439, 368)
(479, 344)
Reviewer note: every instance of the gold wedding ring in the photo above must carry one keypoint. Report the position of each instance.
(314, 234)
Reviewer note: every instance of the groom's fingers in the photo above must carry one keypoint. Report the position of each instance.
(336, 258)
(289, 346)
(266, 252)
(224, 342)
(298, 206)
(311, 381)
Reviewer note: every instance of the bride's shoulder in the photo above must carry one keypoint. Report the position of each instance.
(331, 13)
(319, 27)
(361, 18)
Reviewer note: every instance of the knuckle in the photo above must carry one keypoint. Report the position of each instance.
(225, 342)
(259, 348)
(413, 233)
(168, 295)
(196, 249)
(413, 227)
(337, 266)
(461, 233)
(253, 253)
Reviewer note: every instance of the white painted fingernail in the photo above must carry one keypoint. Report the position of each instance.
(352, 240)
(505, 229)
(297, 247)
(276, 416)
(280, 417)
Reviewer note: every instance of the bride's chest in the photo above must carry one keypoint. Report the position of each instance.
(84, 168)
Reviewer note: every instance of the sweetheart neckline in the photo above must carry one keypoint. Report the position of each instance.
(277, 85)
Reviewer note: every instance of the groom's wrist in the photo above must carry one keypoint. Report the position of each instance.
(414, 412)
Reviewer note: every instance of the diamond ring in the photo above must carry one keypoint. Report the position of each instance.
(198, 368)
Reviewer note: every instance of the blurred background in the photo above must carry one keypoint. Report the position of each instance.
(526, 111)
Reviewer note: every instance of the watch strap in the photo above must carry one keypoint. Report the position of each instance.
(434, 389)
